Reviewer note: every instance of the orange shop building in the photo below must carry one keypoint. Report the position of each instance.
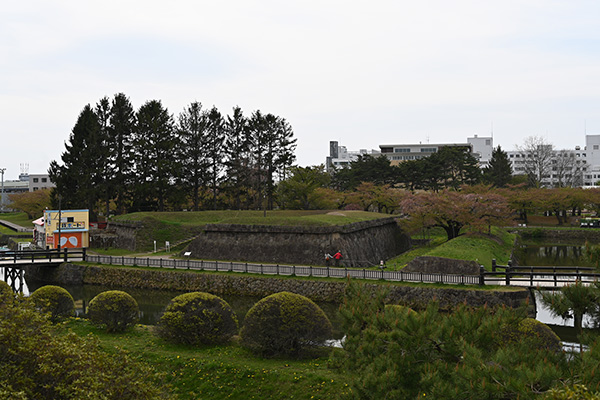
(69, 227)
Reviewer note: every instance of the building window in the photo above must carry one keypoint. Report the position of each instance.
(35, 180)
(596, 147)
(44, 180)
(488, 142)
(35, 188)
(401, 150)
(428, 150)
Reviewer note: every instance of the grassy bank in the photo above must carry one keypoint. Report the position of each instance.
(478, 247)
(248, 217)
(178, 226)
(19, 218)
(223, 372)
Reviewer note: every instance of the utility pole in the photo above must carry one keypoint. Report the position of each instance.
(59, 220)
(2, 196)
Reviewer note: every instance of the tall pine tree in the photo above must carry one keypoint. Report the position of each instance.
(156, 166)
(121, 129)
(78, 178)
(192, 130)
(498, 172)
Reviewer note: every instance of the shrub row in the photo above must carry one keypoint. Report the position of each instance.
(280, 324)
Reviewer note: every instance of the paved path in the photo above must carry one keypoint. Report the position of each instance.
(15, 227)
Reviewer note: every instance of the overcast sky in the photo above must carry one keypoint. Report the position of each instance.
(361, 73)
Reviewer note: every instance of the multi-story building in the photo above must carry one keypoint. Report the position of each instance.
(39, 181)
(482, 148)
(404, 152)
(576, 168)
(340, 157)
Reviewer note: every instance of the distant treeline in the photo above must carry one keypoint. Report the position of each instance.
(124, 160)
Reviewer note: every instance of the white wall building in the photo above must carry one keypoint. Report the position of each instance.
(573, 167)
(405, 152)
(340, 157)
(39, 181)
(482, 149)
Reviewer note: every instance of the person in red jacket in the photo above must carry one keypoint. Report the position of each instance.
(337, 257)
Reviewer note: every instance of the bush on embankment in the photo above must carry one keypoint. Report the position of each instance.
(285, 324)
(54, 300)
(198, 318)
(39, 362)
(317, 289)
(114, 310)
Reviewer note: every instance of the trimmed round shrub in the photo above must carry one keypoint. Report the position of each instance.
(284, 324)
(54, 300)
(540, 335)
(198, 318)
(115, 310)
(6, 293)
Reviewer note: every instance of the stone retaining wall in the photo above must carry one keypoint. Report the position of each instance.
(362, 243)
(248, 285)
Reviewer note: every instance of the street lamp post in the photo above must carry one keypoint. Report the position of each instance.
(59, 220)
(2, 196)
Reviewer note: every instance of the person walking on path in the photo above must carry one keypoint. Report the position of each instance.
(338, 256)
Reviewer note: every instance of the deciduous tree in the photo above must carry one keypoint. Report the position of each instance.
(536, 157)
(32, 203)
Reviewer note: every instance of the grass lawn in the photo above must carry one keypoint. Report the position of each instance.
(223, 372)
(478, 247)
(279, 217)
(19, 218)
(178, 226)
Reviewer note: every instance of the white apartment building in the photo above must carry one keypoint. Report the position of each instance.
(405, 152)
(340, 157)
(577, 168)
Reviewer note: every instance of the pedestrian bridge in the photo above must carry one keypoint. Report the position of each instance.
(12, 262)
(16, 258)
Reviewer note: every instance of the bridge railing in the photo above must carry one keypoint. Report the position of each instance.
(288, 270)
(547, 276)
(64, 255)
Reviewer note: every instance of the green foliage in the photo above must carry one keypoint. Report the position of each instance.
(573, 392)
(574, 301)
(429, 354)
(476, 247)
(54, 300)
(198, 318)
(115, 310)
(32, 203)
(39, 362)
(6, 294)
(450, 167)
(366, 168)
(592, 252)
(224, 371)
(499, 170)
(285, 324)
(538, 334)
(299, 191)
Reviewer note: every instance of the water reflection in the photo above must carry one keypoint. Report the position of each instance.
(152, 303)
(537, 253)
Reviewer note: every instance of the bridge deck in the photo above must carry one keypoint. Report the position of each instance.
(24, 261)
